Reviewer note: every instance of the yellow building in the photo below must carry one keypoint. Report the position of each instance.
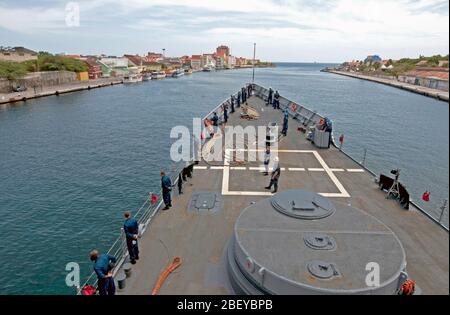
(154, 66)
(82, 76)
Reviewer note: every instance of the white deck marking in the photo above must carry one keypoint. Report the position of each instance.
(226, 173)
(340, 187)
(238, 168)
(216, 168)
(247, 193)
(356, 170)
(293, 169)
(316, 169)
(325, 168)
(199, 168)
(259, 169)
(337, 170)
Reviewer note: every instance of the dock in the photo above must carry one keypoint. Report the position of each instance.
(200, 239)
(437, 94)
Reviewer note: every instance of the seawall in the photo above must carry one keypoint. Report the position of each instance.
(437, 94)
(57, 90)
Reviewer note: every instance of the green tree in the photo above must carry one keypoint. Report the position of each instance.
(12, 70)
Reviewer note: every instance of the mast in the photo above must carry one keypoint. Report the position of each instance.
(254, 58)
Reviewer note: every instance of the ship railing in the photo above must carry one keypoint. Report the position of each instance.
(144, 215)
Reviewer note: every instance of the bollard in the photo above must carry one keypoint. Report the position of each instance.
(121, 280)
(127, 268)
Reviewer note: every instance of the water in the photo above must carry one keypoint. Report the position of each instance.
(70, 165)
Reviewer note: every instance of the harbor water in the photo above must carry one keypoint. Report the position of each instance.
(70, 165)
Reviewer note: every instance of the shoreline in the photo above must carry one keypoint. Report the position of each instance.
(58, 90)
(77, 86)
(437, 94)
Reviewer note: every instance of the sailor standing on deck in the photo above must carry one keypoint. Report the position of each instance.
(285, 123)
(275, 177)
(103, 269)
(239, 99)
(166, 185)
(131, 229)
(225, 113)
(276, 103)
(270, 98)
(215, 120)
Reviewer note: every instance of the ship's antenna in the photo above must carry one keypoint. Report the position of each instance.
(254, 58)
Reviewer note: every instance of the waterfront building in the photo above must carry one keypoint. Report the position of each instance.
(223, 51)
(241, 62)
(153, 66)
(196, 62)
(136, 62)
(220, 62)
(172, 63)
(17, 54)
(373, 59)
(231, 61)
(82, 76)
(114, 66)
(154, 57)
(208, 60)
(94, 69)
(185, 60)
(434, 78)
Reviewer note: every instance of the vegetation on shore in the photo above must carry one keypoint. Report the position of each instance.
(45, 62)
(395, 68)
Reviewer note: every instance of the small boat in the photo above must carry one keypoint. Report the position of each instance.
(169, 73)
(147, 76)
(132, 78)
(178, 73)
(208, 69)
(158, 75)
(188, 71)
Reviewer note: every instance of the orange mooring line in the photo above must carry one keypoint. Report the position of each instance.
(176, 263)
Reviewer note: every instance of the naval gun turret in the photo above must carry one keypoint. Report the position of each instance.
(300, 243)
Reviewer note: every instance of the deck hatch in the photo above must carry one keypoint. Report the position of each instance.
(205, 202)
(302, 205)
(320, 241)
(323, 270)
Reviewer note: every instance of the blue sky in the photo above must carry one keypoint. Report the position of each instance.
(285, 30)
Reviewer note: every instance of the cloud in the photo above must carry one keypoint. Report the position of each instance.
(373, 24)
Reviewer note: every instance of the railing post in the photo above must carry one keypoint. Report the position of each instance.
(444, 206)
(363, 163)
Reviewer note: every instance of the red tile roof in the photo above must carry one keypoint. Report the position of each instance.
(429, 73)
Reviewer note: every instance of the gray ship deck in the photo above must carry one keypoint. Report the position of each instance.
(201, 239)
